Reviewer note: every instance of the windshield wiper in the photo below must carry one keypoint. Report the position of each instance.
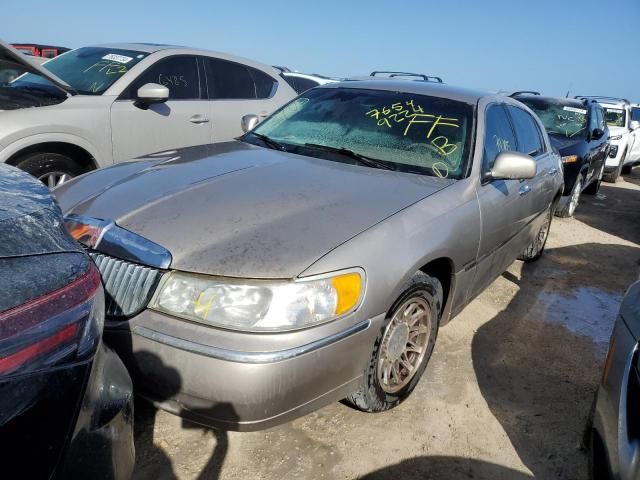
(270, 142)
(362, 159)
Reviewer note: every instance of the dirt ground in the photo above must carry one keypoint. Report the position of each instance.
(506, 395)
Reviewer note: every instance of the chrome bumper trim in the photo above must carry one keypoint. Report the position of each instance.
(248, 357)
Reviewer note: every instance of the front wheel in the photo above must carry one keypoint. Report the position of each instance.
(570, 204)
(534, 251)
(403, 347)
(52, 169)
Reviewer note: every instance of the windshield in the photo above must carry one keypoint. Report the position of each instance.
(615, 118)
(560, 120)
(402, 131)
(88, 70)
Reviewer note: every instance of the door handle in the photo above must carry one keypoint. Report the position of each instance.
(524, 190)
(198, 119)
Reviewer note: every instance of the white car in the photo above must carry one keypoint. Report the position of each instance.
(623, 120)
(95, 106)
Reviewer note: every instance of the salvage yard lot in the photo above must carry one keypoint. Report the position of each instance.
(505, 396)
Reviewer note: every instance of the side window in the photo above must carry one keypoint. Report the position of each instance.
(527, 132)
(600, 115)
(178, 74)
(229, 80)
(498, 135)
(265, 84)
(635, 114)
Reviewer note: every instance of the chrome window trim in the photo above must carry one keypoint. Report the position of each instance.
(248, 357)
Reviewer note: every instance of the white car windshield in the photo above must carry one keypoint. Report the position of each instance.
(88, 70)
(395, 130)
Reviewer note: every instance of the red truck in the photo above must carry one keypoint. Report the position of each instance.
(37, 50)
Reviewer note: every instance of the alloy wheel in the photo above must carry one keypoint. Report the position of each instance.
(53, 179)
(575, 197)
(404, 344)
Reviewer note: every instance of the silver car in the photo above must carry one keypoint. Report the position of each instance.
(95, 106)
(315, 258)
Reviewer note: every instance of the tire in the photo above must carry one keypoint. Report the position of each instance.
(535, 250)
(626, 169)
(52, 168)
(594, 186)
(612, 177)
(569, 208)
(378, 391)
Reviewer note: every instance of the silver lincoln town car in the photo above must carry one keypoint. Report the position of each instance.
(314, 258)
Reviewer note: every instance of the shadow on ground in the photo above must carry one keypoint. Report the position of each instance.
(615, 210)
(538, 361)
(445, 468)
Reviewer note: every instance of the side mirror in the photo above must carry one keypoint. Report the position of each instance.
(151, 93)
(513, 166)
(597, 133)
(635, 124)
(249, 122)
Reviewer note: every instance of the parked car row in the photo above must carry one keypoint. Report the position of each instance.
(267, 253)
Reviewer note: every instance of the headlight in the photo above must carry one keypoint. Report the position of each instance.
(570, 159)
(259, 305)
(617, 137)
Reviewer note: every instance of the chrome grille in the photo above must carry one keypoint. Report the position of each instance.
(128, 286)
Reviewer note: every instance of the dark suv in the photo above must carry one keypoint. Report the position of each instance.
(578, 130)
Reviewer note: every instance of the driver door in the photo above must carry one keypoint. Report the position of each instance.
(182, 121)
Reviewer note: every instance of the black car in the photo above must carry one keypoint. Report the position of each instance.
(66, 405)
(578, 130)
(614, 433)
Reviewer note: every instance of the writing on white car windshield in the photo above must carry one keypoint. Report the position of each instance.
(88, 70)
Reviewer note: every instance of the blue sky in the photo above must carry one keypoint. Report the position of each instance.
(587, 46)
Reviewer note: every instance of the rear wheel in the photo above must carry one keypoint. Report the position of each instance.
(403, 348)
(52, 169)
(570, 205)
(594, 186)
(534, 251)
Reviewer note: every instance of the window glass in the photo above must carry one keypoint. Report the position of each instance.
(264, 83)
(408, 132)
(560, 118)
(527, 132)
(600, 115)
(178, 74)
(299, 84)
(498, 135)
(229, 80)
(635, 114)
(89, 70)
(615, 117)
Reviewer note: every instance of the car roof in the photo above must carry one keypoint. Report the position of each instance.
(141, 47)
(416, 86)
(565, 101)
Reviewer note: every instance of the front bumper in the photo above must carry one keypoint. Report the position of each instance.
(614, 416)
(242, 381)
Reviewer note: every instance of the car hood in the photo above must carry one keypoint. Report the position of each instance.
(10, 55)
(567, 146)
(238, 210)
(615, 131)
